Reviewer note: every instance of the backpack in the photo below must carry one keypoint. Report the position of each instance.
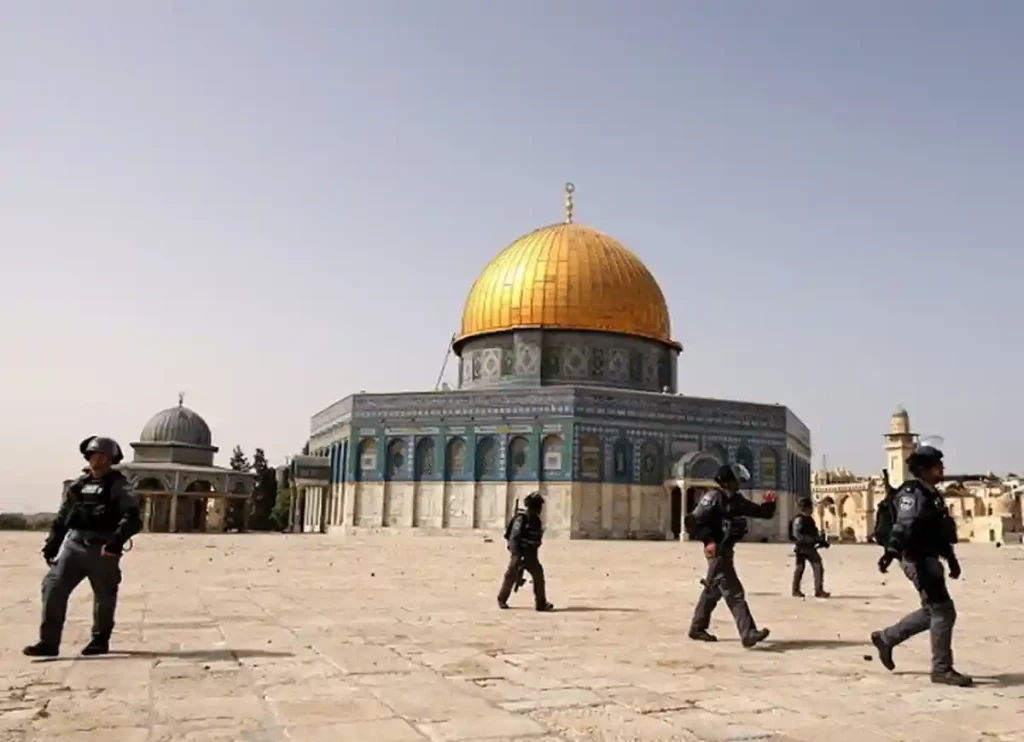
(885, 514)
(508, 526)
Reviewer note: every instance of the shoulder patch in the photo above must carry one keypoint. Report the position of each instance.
(907, 502)
(708, 499)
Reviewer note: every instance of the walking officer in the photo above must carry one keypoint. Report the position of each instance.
(719, 521)
(98, 516)
(804, 533)
(923, 532)
(524, 535)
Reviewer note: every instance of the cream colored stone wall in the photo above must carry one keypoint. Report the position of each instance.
(445, 506)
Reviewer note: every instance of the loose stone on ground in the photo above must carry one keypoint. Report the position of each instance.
(392, 639)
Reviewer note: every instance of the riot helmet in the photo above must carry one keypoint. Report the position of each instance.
(927, 454)
(534, 501)
(732, 474)
(100, 444)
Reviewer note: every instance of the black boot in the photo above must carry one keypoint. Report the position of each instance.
(884, 651)
(798, 594)
(503, 604)
(97, 645)
(755, 638)
(40, 649)
(545, 607)
(822, 594)
(952, 677)
(702, 636)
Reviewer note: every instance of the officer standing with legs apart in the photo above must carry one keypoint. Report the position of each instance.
(923, 532)
(524, 535)
(719, 521)
(98, 516)
(804, 533)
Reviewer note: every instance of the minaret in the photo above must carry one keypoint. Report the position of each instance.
(899, 444)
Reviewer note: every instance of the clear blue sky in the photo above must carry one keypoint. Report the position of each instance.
(270, 205)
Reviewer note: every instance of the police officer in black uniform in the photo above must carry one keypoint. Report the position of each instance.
(100, 513)
(719, 521)
(804, 533)
(923, 532)
(524, 535)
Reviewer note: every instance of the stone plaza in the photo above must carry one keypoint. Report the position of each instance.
(396, 637)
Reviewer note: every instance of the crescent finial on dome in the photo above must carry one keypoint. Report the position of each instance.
(181, 399)
(569, 204)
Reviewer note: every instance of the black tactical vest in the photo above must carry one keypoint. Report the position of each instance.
(92, 507)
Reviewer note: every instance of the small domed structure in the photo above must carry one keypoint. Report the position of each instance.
(176, 435)
(174, 475)
(177, 426)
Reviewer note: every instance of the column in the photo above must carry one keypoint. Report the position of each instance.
(147, 513)
(172, 527)
(293, 497)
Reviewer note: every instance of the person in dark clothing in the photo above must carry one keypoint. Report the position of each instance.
(719, 521)
(804, 533)
(524, 535)
(100, 513)
(923, 532)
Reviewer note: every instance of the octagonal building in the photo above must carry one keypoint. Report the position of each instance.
(568, 385)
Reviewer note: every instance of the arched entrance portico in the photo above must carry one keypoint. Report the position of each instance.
(684, 494)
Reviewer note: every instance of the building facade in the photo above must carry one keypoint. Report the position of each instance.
(987, 508)
(180, 489)
(567, 385)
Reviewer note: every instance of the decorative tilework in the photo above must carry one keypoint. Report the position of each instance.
(618, 365)
(576, 362)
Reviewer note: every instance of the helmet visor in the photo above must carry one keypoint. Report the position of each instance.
(741, 472)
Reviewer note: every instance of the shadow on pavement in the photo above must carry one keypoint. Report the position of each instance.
(1002, 680)
(795, 645)
(594, 609)
(204, 655)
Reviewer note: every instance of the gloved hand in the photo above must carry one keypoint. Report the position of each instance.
(710, 549)
(49, 557)
(771, 497)
(954, 568)
(885, 561)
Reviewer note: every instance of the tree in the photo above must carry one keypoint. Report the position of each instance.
(264, 494)
(239, 461)
(282, 509)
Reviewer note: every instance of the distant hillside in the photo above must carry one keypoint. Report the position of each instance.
(26, 521)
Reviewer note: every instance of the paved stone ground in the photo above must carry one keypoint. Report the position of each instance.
(395, 638)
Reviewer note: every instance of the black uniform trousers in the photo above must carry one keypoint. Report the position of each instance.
(805, 554)
(77, 562)
(530, 562)
(722, 582)
(937, 613)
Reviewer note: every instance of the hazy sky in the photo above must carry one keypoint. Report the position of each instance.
(270, 205)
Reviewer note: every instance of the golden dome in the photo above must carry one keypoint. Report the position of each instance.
(570, 277)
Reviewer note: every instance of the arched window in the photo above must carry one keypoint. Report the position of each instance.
(622, 460)
(518, 457)
(551, 448)
(367, 458)
(425, 454)
(718, 451)
(455, 459)
(651, 469)
(486, 459)
(769, 468)
(396, 459)
(746, 457)
(591, 464)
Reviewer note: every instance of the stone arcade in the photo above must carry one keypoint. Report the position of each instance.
(567, 384)
(173, 473)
